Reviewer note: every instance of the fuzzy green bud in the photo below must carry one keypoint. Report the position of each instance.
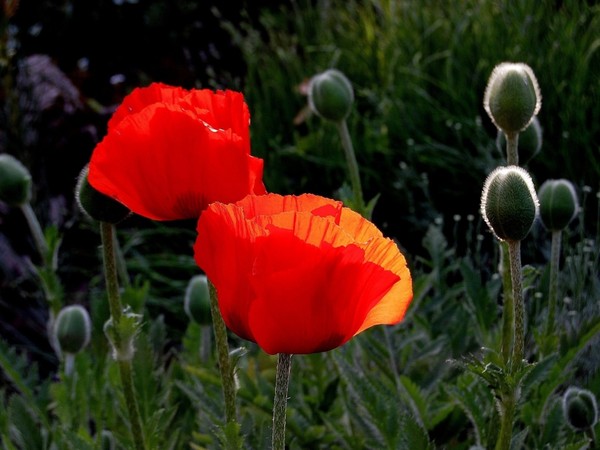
(197, 300)
(15, 181)
(330, 95)
(509, 204)
(72, 329)
(580, 408)
(512, 97)
(530, 141)
(97, 205)
(558, 204)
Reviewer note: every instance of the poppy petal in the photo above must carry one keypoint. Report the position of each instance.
(300, 274)
(311, 297)
(142, 97)
(228, 260)
(203, 165)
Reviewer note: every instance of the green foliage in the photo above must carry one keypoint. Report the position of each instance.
(424, 148)
(419, 73)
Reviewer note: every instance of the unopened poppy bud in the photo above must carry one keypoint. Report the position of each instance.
(97, 205)
(558, 204)
(512, 97)
(72, 329)
(580, 408)
(509, 204)
(530, 141)
(330, 95)
(197, 300)
(15, 181)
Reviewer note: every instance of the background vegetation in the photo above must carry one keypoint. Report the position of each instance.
(424, 144)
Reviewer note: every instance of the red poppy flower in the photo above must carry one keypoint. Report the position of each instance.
(300, 274)
(170, 152)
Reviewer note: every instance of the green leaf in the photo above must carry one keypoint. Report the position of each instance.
(26, 432)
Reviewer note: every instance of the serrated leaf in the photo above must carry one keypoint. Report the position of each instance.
(475, 400)
(25, 427)
(416, 399)
(413, 435)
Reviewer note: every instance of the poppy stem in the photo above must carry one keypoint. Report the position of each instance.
(225, 366)
(36, 231)
(516, 274)
(512, 149)
(352, 164)
(553, 288)
(508, 307)
(116, 312)
(282, 382)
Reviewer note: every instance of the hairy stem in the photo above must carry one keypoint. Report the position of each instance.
(512, 151)
(508, 304)
(116, 312)
(352, 164)
(225, 366)
(282, 382)
(514, 250)
(553, 288)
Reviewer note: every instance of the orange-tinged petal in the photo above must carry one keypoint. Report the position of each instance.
(311, 298)
(224, 249)
(165, 164)
(392, 307)
(300, 274)
(270, 204)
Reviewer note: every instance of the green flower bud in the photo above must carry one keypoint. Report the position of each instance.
(15, 181)
(330, 95)
(509, 204)
(580, 408)
(97, 205)
(530, 141)
(197, 300)
(558, 204)
(72, 329)
(512, 97)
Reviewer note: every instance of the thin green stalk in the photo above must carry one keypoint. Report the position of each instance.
(508, 304)
(120, 262)
(553, 288)
(225, 366)
(514, 251)
(47, 272)
(116, 312)
(282, 382)
(352, 164)
(507, 413)
(36, 230)
(591, 434)
(512, 151)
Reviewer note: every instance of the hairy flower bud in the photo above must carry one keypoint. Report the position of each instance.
(197, 300)
(512, 97)
(97, 205)
(580, 408)
(15, 181)
(330, 95)
(558, 204)
(530, 141)
(73, 329)
(509, 204)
